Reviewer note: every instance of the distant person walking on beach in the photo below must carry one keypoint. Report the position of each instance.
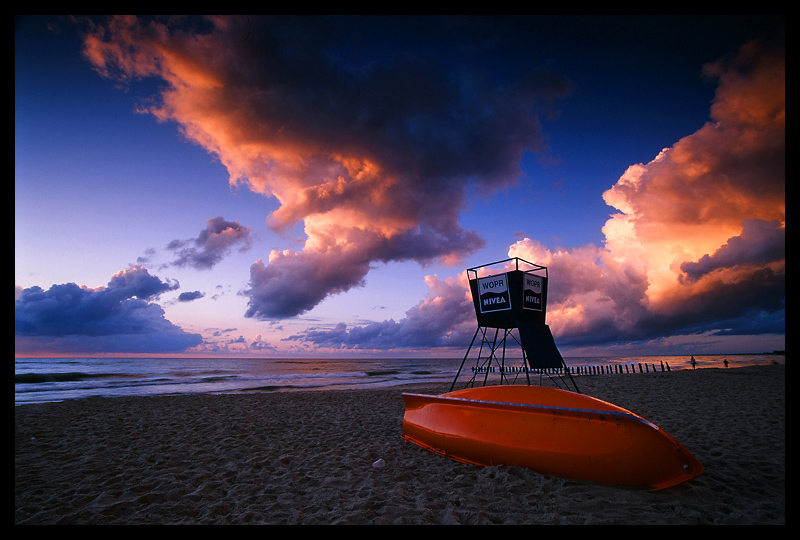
(693, 362)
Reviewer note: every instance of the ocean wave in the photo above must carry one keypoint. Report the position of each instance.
(38, 378)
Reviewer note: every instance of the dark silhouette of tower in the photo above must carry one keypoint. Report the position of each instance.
(514, 299)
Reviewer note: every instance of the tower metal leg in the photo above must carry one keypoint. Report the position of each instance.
(493, 346)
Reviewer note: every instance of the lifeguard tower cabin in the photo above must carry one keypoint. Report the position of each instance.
(511, 304)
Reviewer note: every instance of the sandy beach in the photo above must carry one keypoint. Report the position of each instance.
(307, 458)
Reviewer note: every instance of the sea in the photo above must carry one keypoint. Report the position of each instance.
(40, 380)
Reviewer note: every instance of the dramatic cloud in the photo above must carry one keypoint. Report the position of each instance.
(212, 244)
(697, 245)
(370, 146)
(118, 318)
(699, 242)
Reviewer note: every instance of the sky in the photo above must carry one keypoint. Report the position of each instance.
(311, 186)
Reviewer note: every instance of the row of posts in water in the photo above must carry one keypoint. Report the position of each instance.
(576, 370)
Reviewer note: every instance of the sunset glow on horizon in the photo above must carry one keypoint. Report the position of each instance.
(308, 186)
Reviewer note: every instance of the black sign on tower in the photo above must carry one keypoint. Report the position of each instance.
(514, 298)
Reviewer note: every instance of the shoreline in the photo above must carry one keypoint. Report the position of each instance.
(55, 380)
(306, 457)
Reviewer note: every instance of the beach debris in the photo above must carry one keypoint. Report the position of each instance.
(379, 463)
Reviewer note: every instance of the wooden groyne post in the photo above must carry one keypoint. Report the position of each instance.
(618, 369)
(578, 370)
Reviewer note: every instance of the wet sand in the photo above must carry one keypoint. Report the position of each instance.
(307, 458)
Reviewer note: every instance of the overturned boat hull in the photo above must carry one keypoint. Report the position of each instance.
(551, 431)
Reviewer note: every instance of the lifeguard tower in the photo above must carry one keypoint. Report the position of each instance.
(511, 306)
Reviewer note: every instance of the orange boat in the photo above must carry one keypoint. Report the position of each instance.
(552, 431)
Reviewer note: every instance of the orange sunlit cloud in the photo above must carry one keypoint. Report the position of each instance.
(365, 156)
(700, 230)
